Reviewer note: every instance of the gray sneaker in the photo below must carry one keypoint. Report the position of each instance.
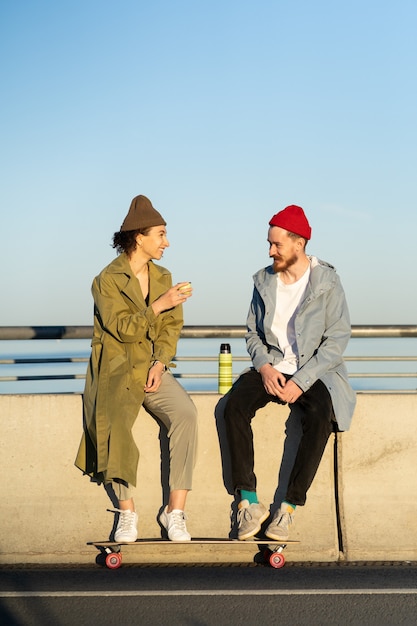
(250, 518)
(279, 528)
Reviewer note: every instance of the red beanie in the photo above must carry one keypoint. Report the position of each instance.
(293, 219)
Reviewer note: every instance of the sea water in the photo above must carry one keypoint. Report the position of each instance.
(59, 366)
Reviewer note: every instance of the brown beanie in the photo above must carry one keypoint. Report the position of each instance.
(142, 215)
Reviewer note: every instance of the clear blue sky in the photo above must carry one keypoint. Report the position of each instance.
(222, 113)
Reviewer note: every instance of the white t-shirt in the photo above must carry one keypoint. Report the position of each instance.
(288, 301)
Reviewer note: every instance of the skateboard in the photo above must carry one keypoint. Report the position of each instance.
(272, 549)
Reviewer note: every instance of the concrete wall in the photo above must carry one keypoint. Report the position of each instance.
(49, 511)
(378, 479)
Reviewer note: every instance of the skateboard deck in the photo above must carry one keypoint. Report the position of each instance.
(273, 549)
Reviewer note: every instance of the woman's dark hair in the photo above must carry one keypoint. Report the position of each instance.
(125, 240)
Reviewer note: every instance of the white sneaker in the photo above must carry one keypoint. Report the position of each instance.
(126, 529)
(174, 524)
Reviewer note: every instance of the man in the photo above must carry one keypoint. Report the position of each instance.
(298, 327)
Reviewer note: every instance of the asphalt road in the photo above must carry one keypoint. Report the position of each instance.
(299, 594)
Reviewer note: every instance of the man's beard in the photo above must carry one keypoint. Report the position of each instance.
(283, 264)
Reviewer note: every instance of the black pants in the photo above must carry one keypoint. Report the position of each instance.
(317, 421)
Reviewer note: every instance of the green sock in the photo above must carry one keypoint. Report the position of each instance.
(249, 495)
(294, 506)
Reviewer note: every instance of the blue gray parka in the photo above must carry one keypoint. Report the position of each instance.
(322, 329)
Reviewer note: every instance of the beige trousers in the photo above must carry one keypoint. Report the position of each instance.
(172, 405)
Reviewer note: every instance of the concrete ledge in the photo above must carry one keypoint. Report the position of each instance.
(378, 479)
(49, 511)
(57, 511)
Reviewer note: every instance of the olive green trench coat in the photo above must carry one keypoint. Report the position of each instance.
(127, 338)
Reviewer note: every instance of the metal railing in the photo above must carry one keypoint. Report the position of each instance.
(207, 369)
(191, 332)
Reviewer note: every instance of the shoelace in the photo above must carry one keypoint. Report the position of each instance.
(285, 520)
(178, 519)
(243, 514)
(126, 518)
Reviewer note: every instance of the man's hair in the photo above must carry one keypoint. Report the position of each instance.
(295, 236)
(125, 240)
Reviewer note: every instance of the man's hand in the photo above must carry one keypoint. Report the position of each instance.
(290, 393)
(277, 385)
(272, 379)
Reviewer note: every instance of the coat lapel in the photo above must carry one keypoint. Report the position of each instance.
(129, 285)
(157, 282)
(126, 281)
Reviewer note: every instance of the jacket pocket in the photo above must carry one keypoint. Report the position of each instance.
(117, 362)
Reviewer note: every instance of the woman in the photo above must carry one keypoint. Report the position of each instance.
(137, 323)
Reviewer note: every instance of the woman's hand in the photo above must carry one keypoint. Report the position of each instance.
(176, 295)
(154, 377)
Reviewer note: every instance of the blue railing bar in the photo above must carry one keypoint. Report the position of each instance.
(47, 377)
(191, 332)
(46, 359)
(380, 358)
(199, 376)
(355, 375)
(192, 359)
(383, 375)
